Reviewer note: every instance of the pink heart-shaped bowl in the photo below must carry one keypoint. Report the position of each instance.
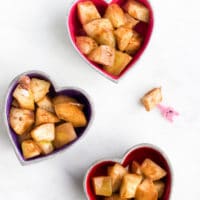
(137, 153)
(75, 29)
(74, 92)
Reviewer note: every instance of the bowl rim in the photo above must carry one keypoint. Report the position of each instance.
(120, 160)
(22, 161)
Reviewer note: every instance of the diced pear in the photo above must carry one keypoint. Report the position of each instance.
(115, 14)
(120, 63)
(44, 132)
(129, 185)
(103, 54)
(95, 27)
(30, 149)
(66, 99)
(46, 147)
(116, 172)
(137, 10)
(146, 191)
(39, 88)
(106, 37)
(71, 113)
(152, 98)
(24, 97)
(21, 120)
(130, 21)
(123, 37)
(85, 44)
(43, 116)
(102, 185)
(152, 170)
(160, 187)
(136, 168)
(46, 103)
(64, 134)
(87, 12)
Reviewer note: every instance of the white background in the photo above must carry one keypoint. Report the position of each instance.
(33, 36)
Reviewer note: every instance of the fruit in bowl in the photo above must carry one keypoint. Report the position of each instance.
(117, 31)
(144, 173)
(41, 120)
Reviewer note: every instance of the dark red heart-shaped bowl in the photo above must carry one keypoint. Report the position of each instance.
(75, 29)
(74, 92)
(137, 153)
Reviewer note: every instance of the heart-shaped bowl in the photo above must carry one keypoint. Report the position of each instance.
(74, 28)
(137, 153)
(74, 92)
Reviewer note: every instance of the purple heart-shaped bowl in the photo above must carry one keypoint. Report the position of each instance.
(74, 92)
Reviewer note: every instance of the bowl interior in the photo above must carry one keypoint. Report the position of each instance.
(75, 29)
(78, 95)
(138, 154)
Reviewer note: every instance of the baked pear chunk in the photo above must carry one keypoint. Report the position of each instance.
(115, 14)
(129, 185)
(39, 88)
(116, 172)
(21, 120)
(102, 185)
(96, 27)
(46, 104)
(43, 116)
(46, 147)
(160, 187)
(85, 44)
(114, 197)
(106, 37)
(123, 37)
(71, 113)
(136, 168)
(134, 43)
(130, 21)
(137, 10)
(103, 54)
(24, 97)
(66, 99)
(64, 134)
(87, 12)
(30, 149)
(44, 132)
(120, 63)
(152, 98)
(146, 191)
(151, 170)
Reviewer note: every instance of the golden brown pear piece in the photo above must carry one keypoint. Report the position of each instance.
(160, 187)
(152, 98)
(130, 21)
(39, 88)
(137, 10)
(120, 63)
(65, 134)
(103, 54)
(21, 120)
(115, 14)
(151, 170)
(71, 113)
(87, 12)
(44, 132)
(23, 94)
(46, 147)
(46, 103)
(102, 185)
(116, 172)
(43, 116)
(129, 185)
(30, 149)
(146, 191)
(123, 37)
(136, 168)
(85, 44)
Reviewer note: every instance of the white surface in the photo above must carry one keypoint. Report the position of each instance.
(33, 36)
